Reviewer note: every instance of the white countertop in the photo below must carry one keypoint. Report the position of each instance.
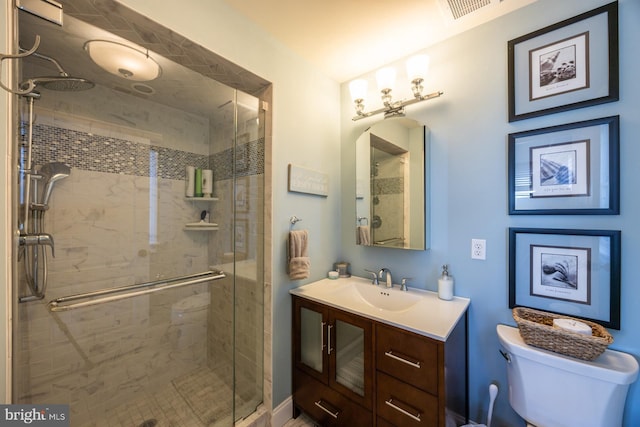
(431, 316)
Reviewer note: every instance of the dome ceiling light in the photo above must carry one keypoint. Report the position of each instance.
(123, 60)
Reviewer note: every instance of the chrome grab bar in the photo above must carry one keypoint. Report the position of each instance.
(130, 291)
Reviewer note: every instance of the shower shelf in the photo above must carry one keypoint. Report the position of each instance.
(202, 199)
(201, 226)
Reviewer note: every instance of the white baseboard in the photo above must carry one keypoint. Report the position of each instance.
(283, 413)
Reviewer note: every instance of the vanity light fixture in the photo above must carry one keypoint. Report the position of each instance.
(417, 68)
(123, 61)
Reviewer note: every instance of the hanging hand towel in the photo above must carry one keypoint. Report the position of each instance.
(362, 236)
(298, 262)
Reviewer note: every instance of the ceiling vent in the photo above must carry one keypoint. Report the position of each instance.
(456, 9)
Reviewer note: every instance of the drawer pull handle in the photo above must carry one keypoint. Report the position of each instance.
(399, 409)
(322, 345)
(402, 359)
(333, 414)
(329, 349)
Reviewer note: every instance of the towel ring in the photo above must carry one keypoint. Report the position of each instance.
(294, 219)
(363, 218)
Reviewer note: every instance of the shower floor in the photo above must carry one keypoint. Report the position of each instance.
(198, 399)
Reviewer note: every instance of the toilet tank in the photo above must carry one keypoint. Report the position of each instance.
(552, 390)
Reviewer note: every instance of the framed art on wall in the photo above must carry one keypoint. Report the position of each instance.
(571, 169)
(571, 272)
(568, 65)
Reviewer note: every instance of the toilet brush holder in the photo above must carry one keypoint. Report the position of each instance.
(493, 392)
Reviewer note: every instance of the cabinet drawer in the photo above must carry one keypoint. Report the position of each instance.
(404, 405)
(408, 357)
(320, 402)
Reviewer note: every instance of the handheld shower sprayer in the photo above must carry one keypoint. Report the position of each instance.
(51, 173)
(33, 238)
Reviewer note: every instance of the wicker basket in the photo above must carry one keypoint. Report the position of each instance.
(536, 329)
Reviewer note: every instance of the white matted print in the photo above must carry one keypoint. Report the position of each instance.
(559, 67)
(560, 170)
(561, 273)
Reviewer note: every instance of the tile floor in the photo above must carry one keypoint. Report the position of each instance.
(185, 402)
(301, 421)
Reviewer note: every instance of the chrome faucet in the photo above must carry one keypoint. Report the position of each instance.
(387, 272)
(374, 278)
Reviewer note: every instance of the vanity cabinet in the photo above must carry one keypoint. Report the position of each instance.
(333, 364)
(350, 370)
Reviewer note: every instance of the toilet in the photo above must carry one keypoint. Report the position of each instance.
(548, 389)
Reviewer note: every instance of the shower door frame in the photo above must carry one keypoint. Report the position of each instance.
(250, 83)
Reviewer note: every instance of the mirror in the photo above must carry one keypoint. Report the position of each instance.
(390, 185)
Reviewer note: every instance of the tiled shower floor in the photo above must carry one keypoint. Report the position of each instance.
(200, 399)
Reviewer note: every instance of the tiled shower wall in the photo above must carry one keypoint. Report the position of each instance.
(118, 219)
(387, 190)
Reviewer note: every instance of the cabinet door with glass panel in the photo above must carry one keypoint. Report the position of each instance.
(334, 347)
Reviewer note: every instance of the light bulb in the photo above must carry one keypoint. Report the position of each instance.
(417, 67)
(386, 78)
(358, 89)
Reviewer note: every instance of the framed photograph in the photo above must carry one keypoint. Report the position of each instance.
(570, 272)
(571, 169)
(568, 65)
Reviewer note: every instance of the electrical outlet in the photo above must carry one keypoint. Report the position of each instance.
(478, 249)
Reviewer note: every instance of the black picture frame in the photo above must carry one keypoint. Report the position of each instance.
(538, 85)
(570, 169)
(564, 271)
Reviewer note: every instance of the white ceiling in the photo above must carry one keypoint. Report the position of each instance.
(347, 38)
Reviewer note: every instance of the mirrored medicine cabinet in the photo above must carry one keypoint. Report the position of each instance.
(391, 167)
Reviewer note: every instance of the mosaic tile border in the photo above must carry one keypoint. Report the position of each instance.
(98, 153)
(381, 186)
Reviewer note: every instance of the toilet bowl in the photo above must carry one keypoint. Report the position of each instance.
(552, 390)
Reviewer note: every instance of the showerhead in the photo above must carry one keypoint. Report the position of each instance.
(63, 82)
(60, 83)
(52, 172)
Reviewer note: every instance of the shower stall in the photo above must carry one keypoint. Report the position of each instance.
(135, 304)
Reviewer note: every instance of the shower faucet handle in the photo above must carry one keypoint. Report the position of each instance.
(41, 239)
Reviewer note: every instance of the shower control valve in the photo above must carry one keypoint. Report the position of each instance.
(42, 239)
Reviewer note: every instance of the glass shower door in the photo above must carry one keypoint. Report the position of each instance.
(181, 355)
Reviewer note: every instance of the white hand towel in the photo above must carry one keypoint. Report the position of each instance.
(298, 261)
(363, 235)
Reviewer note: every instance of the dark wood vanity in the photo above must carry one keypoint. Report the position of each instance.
(350, 370)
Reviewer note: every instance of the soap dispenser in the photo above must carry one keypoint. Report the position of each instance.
(445, 284)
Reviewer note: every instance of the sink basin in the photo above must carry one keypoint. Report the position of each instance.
(381, 297)
(415, 310)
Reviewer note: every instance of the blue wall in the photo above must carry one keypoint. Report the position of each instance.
(469, 129)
